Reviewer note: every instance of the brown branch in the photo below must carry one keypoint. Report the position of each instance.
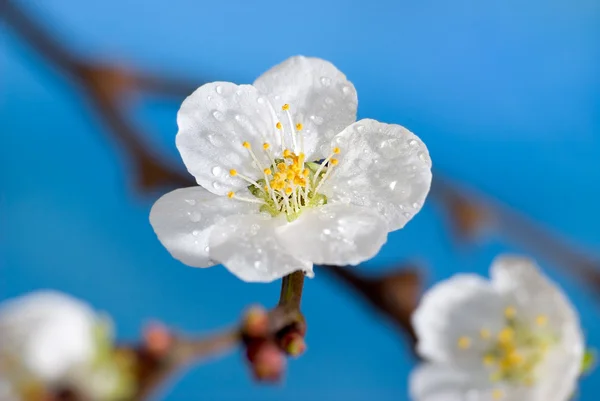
(470, 214)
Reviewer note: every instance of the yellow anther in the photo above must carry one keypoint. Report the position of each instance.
(301, 158)
(464, 342)
(287, 153)
(230, 194)
(514, 358)
(267, 171)
(334, 162)
(266, 187)
(485, 334)
(497, 394)
(510, 312)
(233, 172)
(266, 146)
(285, 107)
(246, 145)
(489, 360)
(506, 336)
(288, 190)
(278, 125)
(281, 166)
(541, 320)
(336, 150)
(299, 127)
(305, 172)
(290, 175)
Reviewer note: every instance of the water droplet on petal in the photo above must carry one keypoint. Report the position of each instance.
(261, 100)
(209, 98)
(219, 89)
(257, 264)
(413, 143)
(393, 185)
(218, 115)
(215, 139)
(360, 128)
(309, 273)
(195, 217)
(217, 171)
(317, 119)
(390, 148)
(196, 233)
(190, 202)
(346, 90)
(207, 249)
(416, 205)
(217, 185)
(325, 81)
(423, 156)
(406, 214)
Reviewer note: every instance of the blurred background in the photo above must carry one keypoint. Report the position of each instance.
(506, 95)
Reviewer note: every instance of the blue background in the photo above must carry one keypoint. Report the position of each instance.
(506, 94)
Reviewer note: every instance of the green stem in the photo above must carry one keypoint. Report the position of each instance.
(291, 290)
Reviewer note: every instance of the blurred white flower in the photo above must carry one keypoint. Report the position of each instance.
(514, 338)
(288, 178)
(50, 340)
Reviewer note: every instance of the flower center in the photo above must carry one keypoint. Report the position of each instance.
(289, 183)
(512, 354)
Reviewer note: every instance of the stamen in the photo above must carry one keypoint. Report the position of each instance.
(299, 127)
(464, 342)
(285, 107)
(266, 146)
(233, 172)
(278, 125)
(510, 312)
(541, 320)
(232, 195)
(292, 132)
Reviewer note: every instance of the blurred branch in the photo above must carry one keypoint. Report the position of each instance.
(472, 215)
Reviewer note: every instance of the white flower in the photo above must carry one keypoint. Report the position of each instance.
(48, 340)
(514, 338)
(288, 178)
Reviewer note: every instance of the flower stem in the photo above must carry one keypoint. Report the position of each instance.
(291, 290)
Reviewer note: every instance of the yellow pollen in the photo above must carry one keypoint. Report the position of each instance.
(281, 166)
(267, 171)
(233, 172)
(541, 320)
(506, 336)
(489, 360)
(266, 187)
(334, 162)
(305, 172)
(287, 153)
(514, 358)
(230, 194)
(510, 312)
(299, 127)
(285, 107)
(288, 190)
(336, 150)
(266, 146)
(464, 342)
(278, 125)
(485, 334)
(246, 145)
(497, 394)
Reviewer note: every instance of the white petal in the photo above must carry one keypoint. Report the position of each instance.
(335, 234)
(48, 332)
(319, 95)
(381, 166)
(458, 307)
(534, 295)
(247, 247)
(438, 382)
(213, 123)
(183, 219)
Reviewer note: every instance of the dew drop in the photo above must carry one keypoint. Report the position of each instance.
(217, 171)
(190, 202)
(325, 81)
(309, 273)
(360, 128)
(219, 89)
(218, 115)
(215, 139)
(346, 90)
(318, 120)
(327, 231)
(413, 143)
(261, 100)
(423, 156)
(209, 98)
(406, 214)
(207, 249)
(217, 185)
(195, 217)
(257, 264)
(393, 185)
(389, 148)
(196, 233)
(415, 205)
